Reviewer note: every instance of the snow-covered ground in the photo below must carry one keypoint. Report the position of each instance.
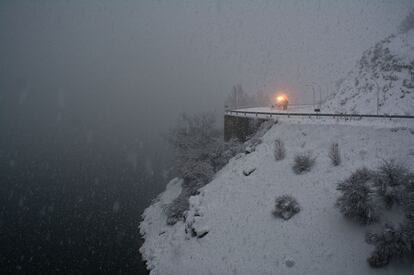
(236, 210)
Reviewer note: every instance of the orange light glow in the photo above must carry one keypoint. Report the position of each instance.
(280, 98)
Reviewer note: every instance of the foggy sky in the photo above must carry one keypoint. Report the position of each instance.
(154, 59)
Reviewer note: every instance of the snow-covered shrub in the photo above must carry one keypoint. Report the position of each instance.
(334, 154)
(286, 207)
(390, 243)
(264, 127)
(357, 201)
(408, 206)
(228, 150)
(407, 229)
(252, 143)
(256, 138)
(192, 226)
(407, 198)
(197, 144)
(200, 152)
(175, 210)
(279, 151)
(363, 195)
(390, 180)
(197, 171)
(303, 163)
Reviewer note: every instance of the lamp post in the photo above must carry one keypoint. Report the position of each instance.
(376, 84)
(320, 93)
(313, 92)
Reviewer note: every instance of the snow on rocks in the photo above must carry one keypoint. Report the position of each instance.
(380, 82)
(289, 262)
(249, 170)
(248, 150)
(286, 207)
(194, 224)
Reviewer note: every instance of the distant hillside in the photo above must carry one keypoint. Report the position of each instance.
(386, 69)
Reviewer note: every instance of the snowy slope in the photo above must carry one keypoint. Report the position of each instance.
(386, 70)
(243, 236)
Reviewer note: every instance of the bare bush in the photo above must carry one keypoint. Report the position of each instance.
(303, 163)
(279, 151)
(286, 207)
(334, 154)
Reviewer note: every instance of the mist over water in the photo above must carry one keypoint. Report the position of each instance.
(87, 88)
(73, 189)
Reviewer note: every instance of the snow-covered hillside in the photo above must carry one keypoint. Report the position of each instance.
(230, 229)
(386, 70)
(233, 218)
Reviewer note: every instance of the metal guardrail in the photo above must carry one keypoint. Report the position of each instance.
(271, 114)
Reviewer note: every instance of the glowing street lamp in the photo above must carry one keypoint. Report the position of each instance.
(280, 98)
(282, 101)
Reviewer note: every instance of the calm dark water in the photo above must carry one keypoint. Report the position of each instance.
(72, 193)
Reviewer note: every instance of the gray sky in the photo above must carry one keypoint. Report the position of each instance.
(155, 59)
